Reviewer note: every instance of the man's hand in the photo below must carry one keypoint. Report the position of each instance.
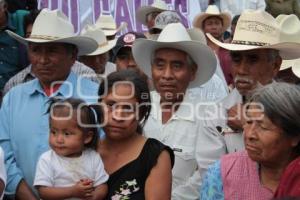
(235, 117)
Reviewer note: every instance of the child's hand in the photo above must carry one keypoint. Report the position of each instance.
(83, 189)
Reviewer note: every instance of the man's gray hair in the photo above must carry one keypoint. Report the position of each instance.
(189, 60)
(281, 102)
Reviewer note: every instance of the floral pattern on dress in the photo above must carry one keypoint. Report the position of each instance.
(125, 190)
(212, 186)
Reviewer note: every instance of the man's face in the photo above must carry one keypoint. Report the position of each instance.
(3, 9)
(171, 73)
(124, 59)
(150, 19)
(214, 26)
(252, 68)
(97, 62)
(50, 61)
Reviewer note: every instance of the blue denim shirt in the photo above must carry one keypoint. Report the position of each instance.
(13, 56)
(24, 124)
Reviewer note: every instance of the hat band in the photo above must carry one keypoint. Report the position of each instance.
(249, 43)
(43, 37)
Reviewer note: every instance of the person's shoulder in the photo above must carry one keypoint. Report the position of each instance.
(47, 156)
(155, 147)
(236, 156)
(21, 88)
(21, 12)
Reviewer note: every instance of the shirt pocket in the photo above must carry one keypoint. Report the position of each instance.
(185, 162)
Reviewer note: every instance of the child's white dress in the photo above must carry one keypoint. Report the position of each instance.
(58, 171)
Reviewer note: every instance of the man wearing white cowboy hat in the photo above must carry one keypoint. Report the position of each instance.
(27, 74)
(216, 23)
(256, 52)
(147, 14)
(176, 63)
(290, 28)
(98, 60)
(24, 121)
(109, 26)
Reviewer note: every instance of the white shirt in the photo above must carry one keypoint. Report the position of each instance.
(2, 170)
(236, 7)
(212, 143)
(57, 171)
(212, 90)
(181, 133)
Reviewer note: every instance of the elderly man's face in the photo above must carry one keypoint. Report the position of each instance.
(171, 73)
(214, 26)
(252, 68)
(50, 61)
(97, 62)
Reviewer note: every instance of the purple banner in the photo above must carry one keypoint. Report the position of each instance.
(81, 12)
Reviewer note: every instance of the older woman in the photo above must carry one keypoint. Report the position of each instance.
(271, 135)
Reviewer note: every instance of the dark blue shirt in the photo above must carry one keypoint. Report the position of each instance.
(12, 54)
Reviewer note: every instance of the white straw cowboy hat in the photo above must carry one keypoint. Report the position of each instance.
(54, 26)
(212, 11)
(108, 25)
(176, 36)
(98, 35)
(157, 6)
(296, 68)
(257, 29)
(290, 32)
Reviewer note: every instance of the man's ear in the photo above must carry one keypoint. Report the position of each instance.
(277, 65)
(194, 69)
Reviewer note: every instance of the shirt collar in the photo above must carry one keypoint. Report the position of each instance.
(186, 110)
(65, 89)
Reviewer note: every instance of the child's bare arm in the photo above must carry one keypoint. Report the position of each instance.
(100, 192)
(80, 190)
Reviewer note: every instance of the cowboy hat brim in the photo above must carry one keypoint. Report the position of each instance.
(143, 11)
(108, 32)
(85, 45)
(288, 50)
(201, 55)
(296, 70)
(199, 19)
(103, 49)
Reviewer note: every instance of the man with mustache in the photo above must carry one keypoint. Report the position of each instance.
(176, 64)
(256, 52)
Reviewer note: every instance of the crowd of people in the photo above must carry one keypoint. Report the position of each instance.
(209, 112)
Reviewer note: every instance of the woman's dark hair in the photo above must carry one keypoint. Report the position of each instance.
(30, 18)
(141, 91)
(88, 116)
(281, 104)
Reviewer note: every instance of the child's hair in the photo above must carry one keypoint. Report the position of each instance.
(141, 91)
(88, 116)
